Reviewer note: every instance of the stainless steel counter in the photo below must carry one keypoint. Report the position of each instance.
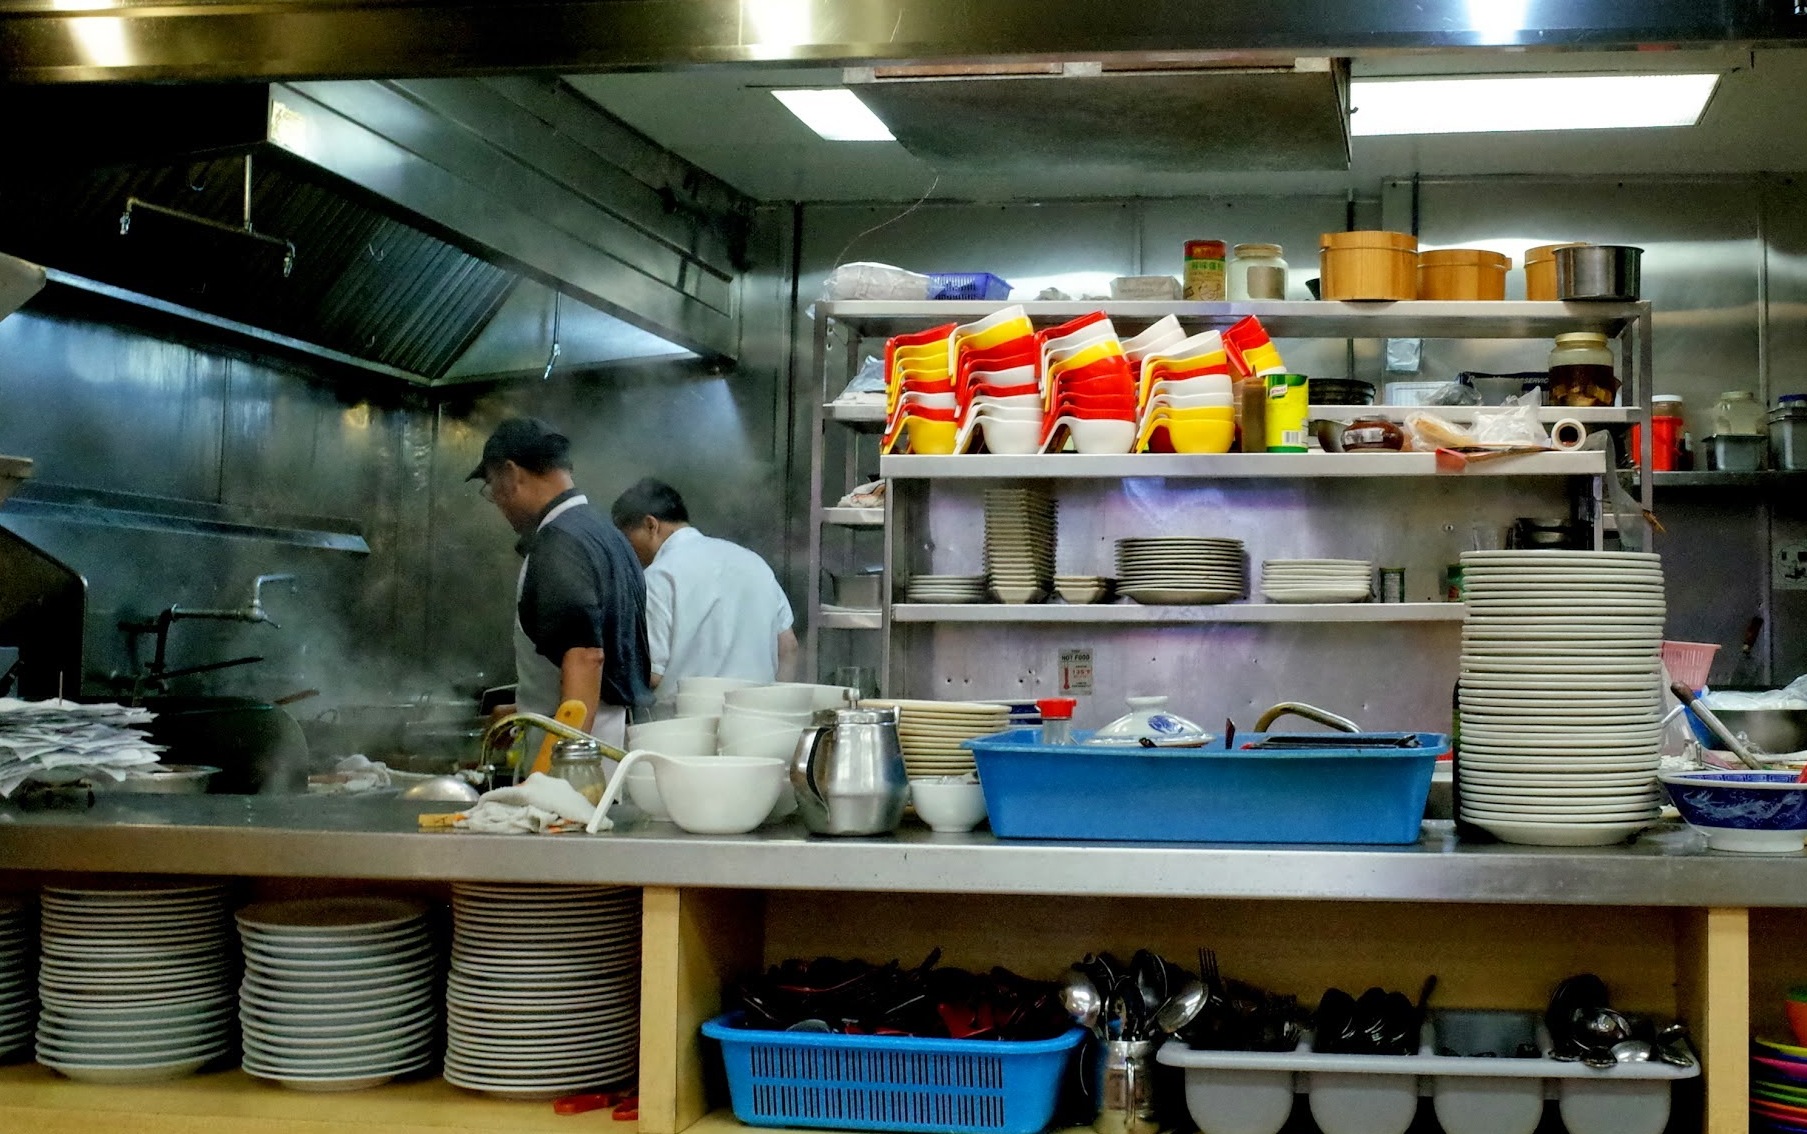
(312, 837)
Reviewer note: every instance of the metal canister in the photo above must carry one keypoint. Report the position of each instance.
(1124, 1088)
(1288, 405)
(1204, 274)
(1392, 584)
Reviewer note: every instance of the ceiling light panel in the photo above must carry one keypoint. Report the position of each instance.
(1501, 103)
(836, 114)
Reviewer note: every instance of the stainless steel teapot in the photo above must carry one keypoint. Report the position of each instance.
(849, 773)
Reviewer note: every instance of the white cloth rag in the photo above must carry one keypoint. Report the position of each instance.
(529, 807)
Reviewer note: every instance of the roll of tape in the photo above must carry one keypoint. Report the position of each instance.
(1568, 434)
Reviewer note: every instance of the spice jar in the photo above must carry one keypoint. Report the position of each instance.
(1257, 272)
(1373, 435)
(1738, 414)
(581, 764)
(1204, 274)
(1581, 371)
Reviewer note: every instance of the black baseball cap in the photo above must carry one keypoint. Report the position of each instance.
(528, 442)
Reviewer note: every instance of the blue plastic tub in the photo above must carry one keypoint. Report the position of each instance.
(967, 285)
(1204, 795)
(841, 1082)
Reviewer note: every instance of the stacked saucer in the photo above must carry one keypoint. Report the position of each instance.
(135, 979)
(544, 994)
(1316, 580)
(1561, 695)
(18, 991)
(1020, 531)
(1169, 571)
(339, 993)
(947, 588)
(930, 733)
(1083, 590)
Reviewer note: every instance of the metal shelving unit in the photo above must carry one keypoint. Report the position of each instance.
(849, 327)
(1137, 614)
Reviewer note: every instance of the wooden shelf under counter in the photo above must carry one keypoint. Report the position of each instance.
(35, 1099)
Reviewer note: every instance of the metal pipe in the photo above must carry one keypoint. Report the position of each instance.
(1309, 712)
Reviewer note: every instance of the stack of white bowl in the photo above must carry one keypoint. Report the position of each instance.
(930, 733)
(702, 696)
(18, 985)
(544, 994)
(1021, 528)
(765, 720)
(1317, 580)
(339, 993)
(1177, 570)
(681, 736)
(1561, 697)
(947, 589)
(135, 979)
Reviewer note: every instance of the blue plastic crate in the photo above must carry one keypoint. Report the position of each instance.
(967, 285)
(841, 1082)
(1204, 795)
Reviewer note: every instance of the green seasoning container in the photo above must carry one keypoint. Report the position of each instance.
(1288, 404)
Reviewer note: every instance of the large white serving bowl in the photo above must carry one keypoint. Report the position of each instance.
(678, 729)
(743, 730)
(823, 696)
(771, 699)
(699, 705)
(759, 718)
(712, 686)
(722, 795)
(780, 744)
(643, 791)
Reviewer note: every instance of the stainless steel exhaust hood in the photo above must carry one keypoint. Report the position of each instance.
(19, 281)
(424, 218)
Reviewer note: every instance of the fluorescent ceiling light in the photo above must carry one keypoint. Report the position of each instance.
(837, 114)
(1526, 102)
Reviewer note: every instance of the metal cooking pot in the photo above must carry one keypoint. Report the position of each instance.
(1773, 731)
(1598, 271)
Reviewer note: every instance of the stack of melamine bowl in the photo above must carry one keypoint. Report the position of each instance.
(947, 589)
(1021, 529)
(1181, 570)
(18, 988)
(544, 994)
(135, 979)
(1561, 695)
(339, 993)
(931, 732)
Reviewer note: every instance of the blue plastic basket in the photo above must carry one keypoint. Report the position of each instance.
(841, 1082)
(1204, 795)
(967, 285)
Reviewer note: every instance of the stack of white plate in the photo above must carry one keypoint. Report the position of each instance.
(1169, 571)
(339, 993)
(135, 979)
(544, 994)
(930, 733)
(1561, 699)
(947, 588)
(1316, 580)
(1020, 532)
(18, 988)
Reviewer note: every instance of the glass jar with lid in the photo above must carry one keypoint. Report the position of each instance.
(581, 764)
(1581, 371)
(1257, 272)
(1738, 414)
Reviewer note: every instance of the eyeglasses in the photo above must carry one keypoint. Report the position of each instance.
(487, 491)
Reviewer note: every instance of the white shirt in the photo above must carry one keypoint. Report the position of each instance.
(713, 609)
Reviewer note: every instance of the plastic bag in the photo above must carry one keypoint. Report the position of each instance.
(1509, 425)
(1794, 696)
(866, 280)
(868, 379)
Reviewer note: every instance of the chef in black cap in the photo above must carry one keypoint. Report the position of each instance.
(580, 600)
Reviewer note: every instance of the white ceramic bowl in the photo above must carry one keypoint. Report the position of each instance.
(712, 686)
(949, 807)
(1016, 438)
(1101, 436)
(823, 696)
(778, 745)
(679, 729)
(772, 699)
(720, 795)
(760, 718)
(643, 790)
(699, 705)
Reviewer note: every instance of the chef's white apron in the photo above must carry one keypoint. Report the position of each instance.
(537, 680)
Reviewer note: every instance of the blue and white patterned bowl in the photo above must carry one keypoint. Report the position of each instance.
(1753, 812)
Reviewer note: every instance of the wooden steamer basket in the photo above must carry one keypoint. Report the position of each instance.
(1368, 265)
(1540, 271)
(1462, 273)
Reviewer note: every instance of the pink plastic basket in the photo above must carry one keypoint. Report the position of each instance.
(1689, 662)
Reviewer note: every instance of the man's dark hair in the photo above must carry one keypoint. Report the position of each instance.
(652, 498)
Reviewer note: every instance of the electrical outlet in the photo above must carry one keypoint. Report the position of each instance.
(1790, 572)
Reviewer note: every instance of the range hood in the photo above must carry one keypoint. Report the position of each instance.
(19, 281)
(437, 232)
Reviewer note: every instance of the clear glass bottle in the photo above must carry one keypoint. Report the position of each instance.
(581, 764)
(1268, 278)
(1737, 414)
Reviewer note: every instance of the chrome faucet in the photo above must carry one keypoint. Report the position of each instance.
(158, 674)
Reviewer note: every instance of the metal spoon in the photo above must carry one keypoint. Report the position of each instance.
(810, 1026)
(1633, 1051)
(1181, 1008)
(1080, 997)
